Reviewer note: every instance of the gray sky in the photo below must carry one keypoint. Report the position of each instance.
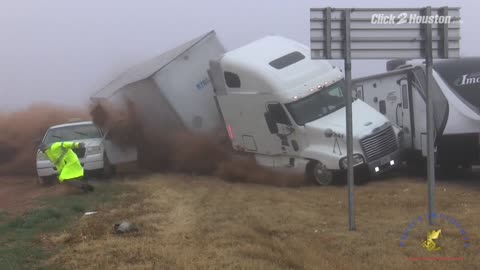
(62, 51)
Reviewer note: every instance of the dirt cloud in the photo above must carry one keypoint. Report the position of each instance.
(181, 151)
(21, 130)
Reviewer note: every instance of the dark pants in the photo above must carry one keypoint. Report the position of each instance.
(80, 184)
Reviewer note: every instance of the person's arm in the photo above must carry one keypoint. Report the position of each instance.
(74, 145)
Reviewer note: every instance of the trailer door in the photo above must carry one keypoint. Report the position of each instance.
(403, 113)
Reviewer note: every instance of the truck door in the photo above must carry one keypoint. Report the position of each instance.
(403, 113)
(280, 125)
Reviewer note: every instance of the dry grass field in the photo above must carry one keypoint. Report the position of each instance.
(201, 223)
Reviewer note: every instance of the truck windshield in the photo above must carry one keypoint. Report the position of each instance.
(72, 133)
(319, 104)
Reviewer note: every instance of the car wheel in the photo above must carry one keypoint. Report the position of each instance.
(108, 169)
(45, 180)
(319, 174)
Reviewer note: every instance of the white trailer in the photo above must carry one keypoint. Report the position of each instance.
(400, 94)
(269, 96)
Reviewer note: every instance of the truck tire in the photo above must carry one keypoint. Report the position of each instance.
(448, 170)
(318, 174)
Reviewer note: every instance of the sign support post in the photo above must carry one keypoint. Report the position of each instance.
(430, 120)
(349, 123)
(386, 33)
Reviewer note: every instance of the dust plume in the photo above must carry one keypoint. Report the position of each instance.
(21, 130)
(181, 151)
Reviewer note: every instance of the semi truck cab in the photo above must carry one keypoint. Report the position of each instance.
(289, 111)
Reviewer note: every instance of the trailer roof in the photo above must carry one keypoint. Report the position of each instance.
(388, 73)
(412, 64)
(148, 68)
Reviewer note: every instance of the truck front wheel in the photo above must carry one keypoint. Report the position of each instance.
(319, 174)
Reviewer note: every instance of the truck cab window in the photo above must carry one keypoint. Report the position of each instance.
(232, 80)
(287, 60)
(278, 114)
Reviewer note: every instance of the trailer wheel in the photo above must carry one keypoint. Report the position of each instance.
(319, 174)
(416, 164)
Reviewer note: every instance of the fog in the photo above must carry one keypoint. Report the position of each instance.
(61, 52)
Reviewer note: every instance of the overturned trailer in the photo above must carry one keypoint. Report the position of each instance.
(161, 89)
(167, 93)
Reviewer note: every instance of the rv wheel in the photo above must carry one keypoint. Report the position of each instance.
(319, 174)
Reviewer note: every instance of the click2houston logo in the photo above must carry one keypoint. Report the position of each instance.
(431, 239)
(410, 18)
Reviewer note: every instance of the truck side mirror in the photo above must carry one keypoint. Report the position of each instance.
(272, 126)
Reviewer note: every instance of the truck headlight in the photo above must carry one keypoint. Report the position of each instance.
(357, 160)
(94, 150)
(41, 156)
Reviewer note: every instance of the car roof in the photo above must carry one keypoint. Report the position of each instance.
(78, 123)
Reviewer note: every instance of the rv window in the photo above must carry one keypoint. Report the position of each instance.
(359, 92)
(232, 80)
(382, 106)
(278, 114)
(287, 60)
(404, 96)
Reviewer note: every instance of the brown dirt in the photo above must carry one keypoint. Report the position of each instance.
(21, 130)
(18, 194)
(203, 223)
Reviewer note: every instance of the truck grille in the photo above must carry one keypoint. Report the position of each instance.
(80, 152)
(379, 144)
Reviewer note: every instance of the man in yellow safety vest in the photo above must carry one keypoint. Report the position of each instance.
(67, 163)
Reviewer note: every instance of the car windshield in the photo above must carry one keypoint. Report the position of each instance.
(318, 104)
(72, 133)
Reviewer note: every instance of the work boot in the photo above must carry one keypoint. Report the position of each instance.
(87, 188)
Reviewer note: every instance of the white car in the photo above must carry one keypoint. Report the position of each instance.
(93, 158)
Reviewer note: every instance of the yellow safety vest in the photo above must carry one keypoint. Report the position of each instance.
(65, 160)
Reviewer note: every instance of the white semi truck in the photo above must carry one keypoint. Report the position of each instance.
(400, 95)
(271, 98)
